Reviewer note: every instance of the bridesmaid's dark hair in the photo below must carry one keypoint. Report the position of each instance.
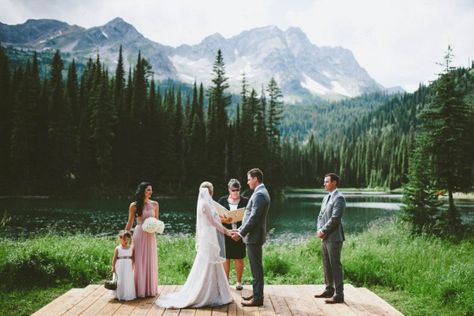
(140, 197)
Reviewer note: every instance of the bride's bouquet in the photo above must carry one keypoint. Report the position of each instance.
(153, 225)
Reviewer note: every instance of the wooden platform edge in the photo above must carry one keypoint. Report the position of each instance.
(296, 299)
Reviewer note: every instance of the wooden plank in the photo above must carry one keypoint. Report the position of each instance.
(307, 300)
(279, 300)
(77, 309)
(356, 303)
(145, 304)
(326, 309)
(220, 310)
(235, 307)
(173, 311)
(378, 301)
(207, 311)
(342, 309)
(187, 312)
(280, 307)
(62, 303)
(292, 299)
(110, 307)
(157, 310)
(267, 308)
(98, 304)
(126, 308)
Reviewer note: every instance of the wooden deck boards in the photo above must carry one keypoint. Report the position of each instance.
(279, 300)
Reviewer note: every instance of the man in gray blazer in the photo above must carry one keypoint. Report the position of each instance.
(331, 233)
(254, 231)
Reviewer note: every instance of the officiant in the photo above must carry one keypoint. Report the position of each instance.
(234, 249)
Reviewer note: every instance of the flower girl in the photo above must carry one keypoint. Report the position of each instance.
(122, 266)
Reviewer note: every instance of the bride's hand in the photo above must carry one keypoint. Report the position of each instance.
(227, 233)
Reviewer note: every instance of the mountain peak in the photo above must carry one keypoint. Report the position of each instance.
(213, 38)
(30, 22)
(302, 69)
(118, 21)
(34, 30)
(264, 31)
(296, 32)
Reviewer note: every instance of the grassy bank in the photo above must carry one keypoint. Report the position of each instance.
(418, 275)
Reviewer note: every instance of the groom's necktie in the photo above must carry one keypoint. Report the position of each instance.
(328, 198)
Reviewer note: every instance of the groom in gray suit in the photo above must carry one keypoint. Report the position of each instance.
(331, 233)
(254, 231)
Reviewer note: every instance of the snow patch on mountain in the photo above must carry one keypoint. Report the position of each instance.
(313, 86)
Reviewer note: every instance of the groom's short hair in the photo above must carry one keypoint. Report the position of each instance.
(333, 176)
(256, 172)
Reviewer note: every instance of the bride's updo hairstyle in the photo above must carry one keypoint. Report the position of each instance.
(207, 185)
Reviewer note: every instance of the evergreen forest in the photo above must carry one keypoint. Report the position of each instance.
(68, 128)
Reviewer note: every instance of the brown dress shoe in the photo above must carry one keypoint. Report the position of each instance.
(247, 298)
(334, 300)
(252, 303)
(325, 294)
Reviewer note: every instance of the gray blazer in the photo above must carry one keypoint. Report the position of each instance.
(254, 223)
(330, 216)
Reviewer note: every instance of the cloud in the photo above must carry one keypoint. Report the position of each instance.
(397, 42)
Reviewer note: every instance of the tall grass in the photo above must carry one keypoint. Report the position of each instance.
(419, 275)
(435, 276)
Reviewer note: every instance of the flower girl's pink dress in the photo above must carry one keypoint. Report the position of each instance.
(146, 261)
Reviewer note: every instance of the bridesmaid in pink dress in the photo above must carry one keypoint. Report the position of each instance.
(146, 261)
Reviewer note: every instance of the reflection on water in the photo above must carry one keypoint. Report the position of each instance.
(292, 218)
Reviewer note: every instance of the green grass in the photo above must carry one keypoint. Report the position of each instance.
(418, 275)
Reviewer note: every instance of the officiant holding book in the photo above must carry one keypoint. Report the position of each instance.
(234, 249)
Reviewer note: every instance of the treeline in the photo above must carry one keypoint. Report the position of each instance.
(374, 148)
(108, 131)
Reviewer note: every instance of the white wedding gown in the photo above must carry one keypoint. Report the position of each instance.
(207, 284)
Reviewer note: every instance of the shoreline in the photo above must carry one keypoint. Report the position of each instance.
(287, 191)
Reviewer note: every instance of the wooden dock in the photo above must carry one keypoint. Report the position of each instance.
(279, 300)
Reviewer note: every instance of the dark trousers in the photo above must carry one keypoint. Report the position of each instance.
(333, 273)
(254, 252)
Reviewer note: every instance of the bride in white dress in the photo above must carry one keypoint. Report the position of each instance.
(207, 284)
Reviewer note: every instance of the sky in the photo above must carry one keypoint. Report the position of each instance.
(399, 42)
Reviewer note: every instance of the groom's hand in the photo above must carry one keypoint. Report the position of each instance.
(235, 236)
(321, 235)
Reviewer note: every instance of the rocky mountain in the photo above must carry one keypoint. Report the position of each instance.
(302, 69)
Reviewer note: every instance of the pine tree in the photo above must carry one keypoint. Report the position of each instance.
(120, 150)
(178, 144)
(60, 127)
(420, 195)
(197, 169)
(24, 134)
(138, 117)
(274, 116)
(86, 167)
(217, 120)
(446, 122)
(248, 142)
(6, 114)
(102, 123)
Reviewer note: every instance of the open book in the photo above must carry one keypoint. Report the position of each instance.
(236, 215)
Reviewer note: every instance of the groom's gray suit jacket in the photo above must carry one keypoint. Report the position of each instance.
(254, 223)
(330, 215)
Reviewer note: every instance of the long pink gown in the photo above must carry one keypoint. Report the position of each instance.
(146, 259)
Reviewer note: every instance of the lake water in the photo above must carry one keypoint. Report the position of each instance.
(292, 217)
